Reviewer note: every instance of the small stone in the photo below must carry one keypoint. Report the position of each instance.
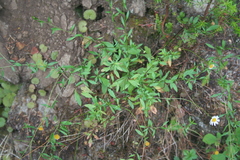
(69, 44)
(138, 7)
(56, 19)
(68, 91)
(87, 4)
(13, 5)
(65, 60)
(64, 22)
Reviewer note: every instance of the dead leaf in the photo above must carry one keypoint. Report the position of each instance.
(95, 136)
(153, 109)
(169, 62)
(20, 45)
(34, 50)
(14, 57)
(159, 89)
(139, 111)
(180, 113)
(22, 60)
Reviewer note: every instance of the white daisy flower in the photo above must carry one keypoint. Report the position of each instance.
(214, 121)
(211, 66)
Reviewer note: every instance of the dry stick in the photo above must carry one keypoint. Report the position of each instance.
(206, 10)
(163, 23)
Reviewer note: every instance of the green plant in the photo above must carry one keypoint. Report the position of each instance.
(189, 154)
(90, 14)
(7, 94)
(82, 26)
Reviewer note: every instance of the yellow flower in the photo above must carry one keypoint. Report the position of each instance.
(147, 143)
(211, 66)
(216, 152)
(56, 136)
(40, 128)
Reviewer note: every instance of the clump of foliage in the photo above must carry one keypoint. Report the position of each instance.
(7, 94)
(132, 78)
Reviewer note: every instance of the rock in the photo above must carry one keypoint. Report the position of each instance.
(64, 22)
(8, 73)
(13, 5)
(65, 60)
(87, 4)
(200, 5)
(68, 90)
(3, 28)
(138, 7)
(43, 81)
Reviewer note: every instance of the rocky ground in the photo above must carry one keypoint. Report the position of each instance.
(21, 35)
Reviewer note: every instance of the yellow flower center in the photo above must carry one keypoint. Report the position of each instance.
(216, 152)
(147, 143)
(214, 120)
(40, 128)
(211, 66)
(56, 136)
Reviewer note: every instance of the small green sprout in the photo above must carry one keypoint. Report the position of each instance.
(90, 14)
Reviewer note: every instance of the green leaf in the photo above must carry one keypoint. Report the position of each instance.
(8, 99)
(90, 14)
(35, 80)
(2, 122)
(139, 132)
(31, 105)
(72, 28)
(55, 29)
(77, 98)
(82, 26)
(66, 123)
(90, 106)
(86, 94)
(54, 73)
(43, 48)
(210, 46)
(213, 27)
(209, 139)
(42, 92)
(75, 36)
(189, 155)
(111, 93)
(54, 55)
(37, 57)
(135, 82)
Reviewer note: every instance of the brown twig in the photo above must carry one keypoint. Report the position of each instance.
(164, 20)
(206, 10)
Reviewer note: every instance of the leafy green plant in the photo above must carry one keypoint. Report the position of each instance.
(7, 94)
(189, 154)
(35, 80)
(82, 26)
(43, 48)
(90, 14)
